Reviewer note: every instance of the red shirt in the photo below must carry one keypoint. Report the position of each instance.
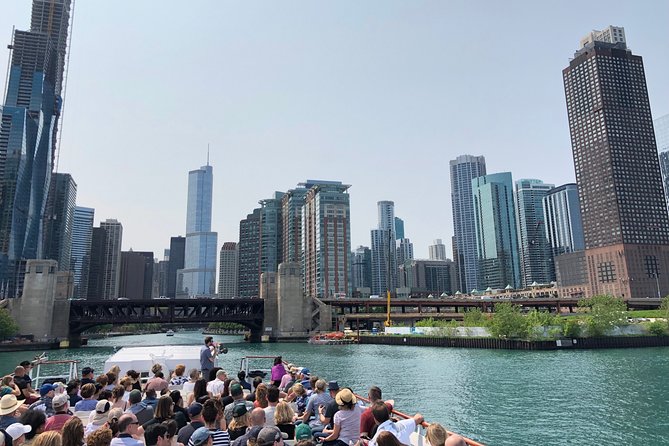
(56, 422)
(367, 421)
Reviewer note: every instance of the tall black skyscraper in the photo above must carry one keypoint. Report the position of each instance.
(176, 262)
(625, 221)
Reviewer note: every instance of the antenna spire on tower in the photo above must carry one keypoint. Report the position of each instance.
(207, 154)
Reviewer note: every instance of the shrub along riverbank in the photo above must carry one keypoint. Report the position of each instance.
(598, 316)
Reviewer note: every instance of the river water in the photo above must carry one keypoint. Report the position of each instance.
(618, 396)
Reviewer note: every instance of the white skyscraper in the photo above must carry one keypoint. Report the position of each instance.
(437, 250)
(111, 273)
(228, 271)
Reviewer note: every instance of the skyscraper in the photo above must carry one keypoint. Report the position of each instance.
(536, 264)
(661, 126)
(326, 234)
(437, 251)
(96, 270)
(496, 236)
(175, 263)
(625, 222)
(249, 255)
(291, 214)
(28, 132)
(80, 256)
(383, 245)
(463, 169)
(404, 251)
(228, 269)
(562, 214)
(399, 228)
(271, 234)
(425, 277)
(361, 268)
(199, 274)
(136, 278)
(111, 268)
(57, 237)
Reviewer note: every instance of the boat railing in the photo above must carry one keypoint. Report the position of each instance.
(39, 377)
(424, 424)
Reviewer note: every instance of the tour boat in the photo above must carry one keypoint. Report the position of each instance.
(333, 338)
(170, 333)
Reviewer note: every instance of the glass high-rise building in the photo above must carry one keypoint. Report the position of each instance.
(463, 169)
(59, 220)
(661, 126)
(361, 268)
(562, 214)
(536, 261)
(326, 235)
(249, 255)
(271, 234)
(496, 235)
(111, 267)
(198, 278)
(227, 271)
(28, 131)
(384, 246)
(625, 222)
(80, 256)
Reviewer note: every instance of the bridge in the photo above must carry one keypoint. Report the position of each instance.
(85, 314)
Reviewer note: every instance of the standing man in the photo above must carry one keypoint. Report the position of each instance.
(207, 357)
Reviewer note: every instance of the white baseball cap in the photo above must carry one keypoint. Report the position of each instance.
(17, 429)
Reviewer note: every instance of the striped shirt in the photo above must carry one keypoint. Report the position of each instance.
(218, 438)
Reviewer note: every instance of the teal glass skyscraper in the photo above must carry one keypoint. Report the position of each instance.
(28, 131)
(536, 264)
(198, 278)
(496, 236)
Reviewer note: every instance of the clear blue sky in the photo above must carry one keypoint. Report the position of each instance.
(377, 94)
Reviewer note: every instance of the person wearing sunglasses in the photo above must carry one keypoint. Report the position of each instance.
(128, 431)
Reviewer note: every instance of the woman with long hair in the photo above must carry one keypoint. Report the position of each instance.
(261, 396)
(164, 411)
(278, 370)
(386, 438)
(199, 394)
(284, 415)
(299, 395)
(50, 438)
(36, 419)
(240, 421)
(117, 399)
(346, 421)
(9, 387)
(112, 421)
(73, 432)
(179, 408)
(436, 434)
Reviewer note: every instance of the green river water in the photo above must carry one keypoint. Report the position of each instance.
(586, 397)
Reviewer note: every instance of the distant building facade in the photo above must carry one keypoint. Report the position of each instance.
(384, 246)
(80, 256)
(496, 236)
(562, 214)
(228, 271)
(463, 170)
(111, 268)
(661, 126)
(326, 235)
(536, 260)
(174, 264)
(361, 268)
(425, 277)
(437, 250)
(59, 218)
(249, 255)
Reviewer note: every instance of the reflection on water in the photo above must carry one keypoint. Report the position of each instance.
(498, 397)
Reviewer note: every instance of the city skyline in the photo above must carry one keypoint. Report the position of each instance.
(445, 124)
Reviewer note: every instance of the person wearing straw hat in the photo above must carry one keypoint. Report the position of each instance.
(8, 407)
(346, 421)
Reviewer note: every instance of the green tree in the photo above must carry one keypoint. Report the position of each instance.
(474, 317)
(8, 326)
(657, 328)
(664, 308)
(605, 313)
(508, 322)
(570, 327)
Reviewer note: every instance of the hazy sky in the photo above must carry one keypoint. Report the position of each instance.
(377, 94)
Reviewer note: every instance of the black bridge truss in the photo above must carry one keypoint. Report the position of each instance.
(85, 314)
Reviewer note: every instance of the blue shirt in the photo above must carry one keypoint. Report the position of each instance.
(205, 359)
(85, 405)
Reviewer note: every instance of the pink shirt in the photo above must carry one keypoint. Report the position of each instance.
(56, 422)
(277, 372)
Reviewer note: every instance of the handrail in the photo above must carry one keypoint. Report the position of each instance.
(424, 424)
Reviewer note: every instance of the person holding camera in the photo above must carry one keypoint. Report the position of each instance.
(207, 356)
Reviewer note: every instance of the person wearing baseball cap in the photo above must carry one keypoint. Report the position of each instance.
(18, 433)
(303, 432)
(61, 404)
(43, 404)
(196, 422)
(269, 436)
(201, 437)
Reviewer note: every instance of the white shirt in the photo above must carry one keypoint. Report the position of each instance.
(215, 387)
(269, 416)
(401, 430)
